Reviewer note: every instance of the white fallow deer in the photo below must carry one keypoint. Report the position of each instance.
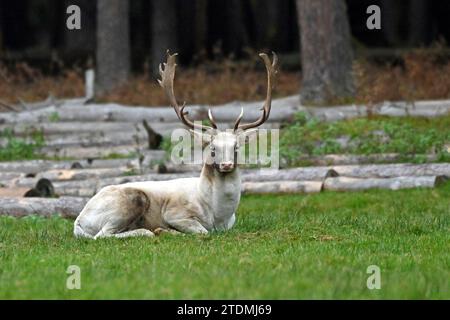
(188, 205)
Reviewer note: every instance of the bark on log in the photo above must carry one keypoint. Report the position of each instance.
(356, 184)
(295, 174)
(82, 174)
(7, 176)
(281, 187)
(282, 109)
(75, 131)
(87, 184)
(68, 207)
(96, 152)
(394, 170)
(32, 168)
(349, 159)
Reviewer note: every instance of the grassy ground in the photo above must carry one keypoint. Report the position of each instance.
(311, 246)
(411, 137)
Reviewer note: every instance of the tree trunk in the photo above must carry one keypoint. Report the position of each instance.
(163, 31)
(200, 26)
(1, 28)
(237, 36)
(418, 23)
(113, 45)
(390, 21)
(326, 51)
(81, 41)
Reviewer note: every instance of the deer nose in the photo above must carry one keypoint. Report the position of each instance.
(228, 165)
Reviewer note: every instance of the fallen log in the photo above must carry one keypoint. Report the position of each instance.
(281, 187)
(356, 159)
(96, 152)
(7, 176)
(68, 207)
(393, 170)
(93, 179)
(282, 109)
(7, 192)
(357, 184)
(425, 108)
(83, 174)
(294, 174)
(81, 130)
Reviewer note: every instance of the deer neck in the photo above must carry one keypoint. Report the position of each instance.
(220, 193)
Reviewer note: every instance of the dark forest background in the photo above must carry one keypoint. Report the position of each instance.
(327, 52)
(35, 29)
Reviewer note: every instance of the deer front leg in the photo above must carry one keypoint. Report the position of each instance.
(187, 225)
(104, 233)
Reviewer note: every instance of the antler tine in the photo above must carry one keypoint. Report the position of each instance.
(238, 120)
(211, 119)
(167, 72)
(271, 68)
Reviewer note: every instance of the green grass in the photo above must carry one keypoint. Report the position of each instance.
(408, 136)
(292, 246)
(25, 148)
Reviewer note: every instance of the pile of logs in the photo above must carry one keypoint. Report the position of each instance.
(73, 129)
(73, 187)
(89, 133)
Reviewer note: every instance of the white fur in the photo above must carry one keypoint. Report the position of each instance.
(190, 205)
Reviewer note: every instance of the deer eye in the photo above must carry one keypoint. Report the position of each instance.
(213, 152)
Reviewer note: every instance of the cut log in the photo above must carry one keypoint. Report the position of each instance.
(281, 187)
(82, 130)
(83, 174)
(68, 207)
(7, 176)
(284, 107)
(13, 192)
(96, 152)
(394, 170)
(78, 184)
(349, 159)
(427, 109)
(294, 174)
(283, 110)
(356, 184)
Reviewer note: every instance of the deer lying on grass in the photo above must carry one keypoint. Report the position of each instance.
(189, 205)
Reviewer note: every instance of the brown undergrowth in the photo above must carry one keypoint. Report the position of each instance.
(420, 75)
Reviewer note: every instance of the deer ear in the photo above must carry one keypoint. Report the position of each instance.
(248, 135)
(205, 138)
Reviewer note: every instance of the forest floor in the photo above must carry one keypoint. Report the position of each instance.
(292, 247)
(418, 75)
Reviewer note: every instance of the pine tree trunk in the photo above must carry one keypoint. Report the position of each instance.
(418, 22)
(1, 28)
(236, 33)
(81, 41)
(163, 31)
(390, 21)
(113, 45)
(326, 52)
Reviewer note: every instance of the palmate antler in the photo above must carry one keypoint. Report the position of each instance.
(167, 77)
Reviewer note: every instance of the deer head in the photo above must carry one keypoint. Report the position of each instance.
(224, 145)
